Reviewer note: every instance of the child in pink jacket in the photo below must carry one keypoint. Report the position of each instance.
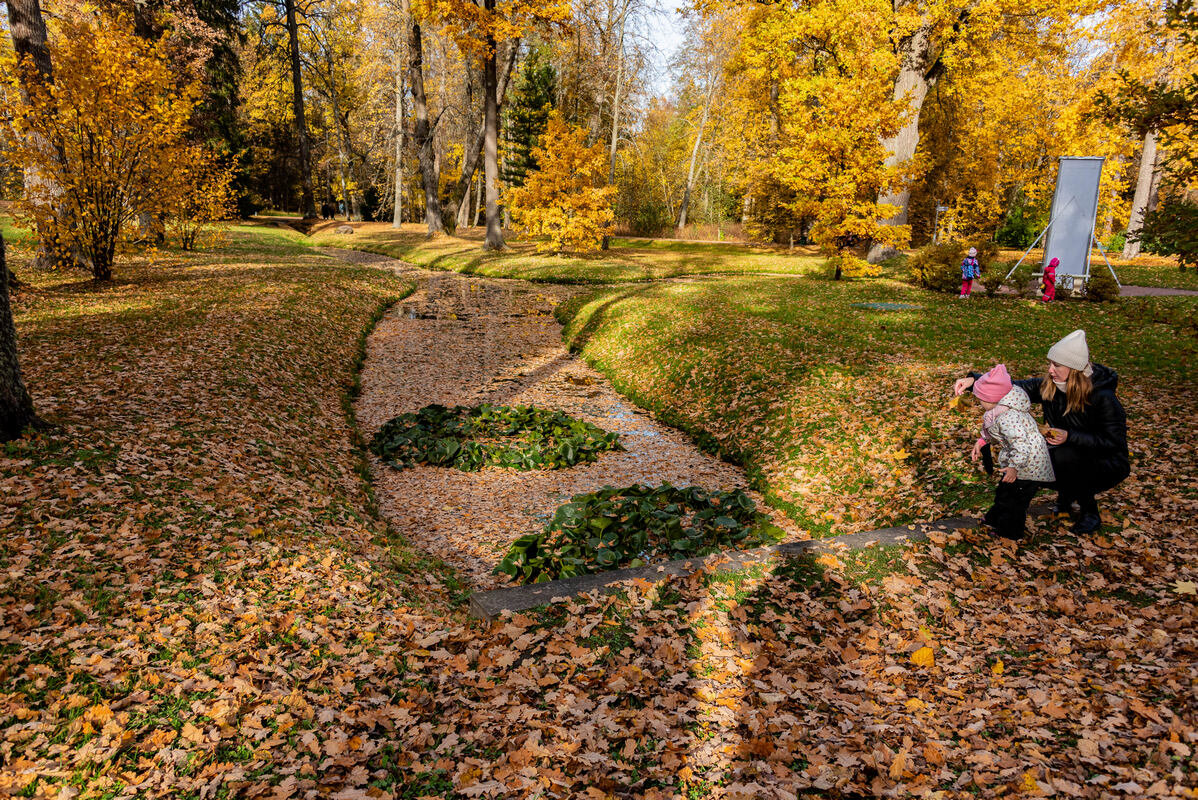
(1023, 460)
(1050, 281)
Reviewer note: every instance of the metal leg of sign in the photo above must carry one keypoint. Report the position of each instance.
(1107, 260)
(1038, 238)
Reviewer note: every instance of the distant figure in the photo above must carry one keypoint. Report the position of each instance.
(326, 210)
(1050, 281)
(1023, 461)
(970, 269)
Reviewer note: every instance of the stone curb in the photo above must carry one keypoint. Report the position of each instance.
(489, 605)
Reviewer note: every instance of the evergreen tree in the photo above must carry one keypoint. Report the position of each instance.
(527, 115)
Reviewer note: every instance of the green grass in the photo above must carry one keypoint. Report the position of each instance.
(627, 260)
(1157, 272)
(841, 414)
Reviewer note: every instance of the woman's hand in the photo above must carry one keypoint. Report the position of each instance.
(1009, 474)
(976, 454)
(1056, 436)
(962, 385)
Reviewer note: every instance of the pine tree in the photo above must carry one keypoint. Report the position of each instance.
(527, 115)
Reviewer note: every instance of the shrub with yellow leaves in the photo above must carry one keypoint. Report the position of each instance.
(562, 202)
(109, 132)
(200, 196)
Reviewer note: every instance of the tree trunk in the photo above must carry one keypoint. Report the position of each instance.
(307, 199)
(913, 83)
(421, 133)
(16, 408)
(397, 212)
(1149, 174)
(491, 140)
(690, 173)
(342, 150)
(471, 157)
(29, 40)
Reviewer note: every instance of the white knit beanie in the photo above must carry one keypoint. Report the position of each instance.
(1072, 352)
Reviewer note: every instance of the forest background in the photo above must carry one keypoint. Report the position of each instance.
(840, 122)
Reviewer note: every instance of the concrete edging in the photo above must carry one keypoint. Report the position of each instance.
(489, 605)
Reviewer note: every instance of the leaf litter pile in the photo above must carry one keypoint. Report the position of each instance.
(198, 602)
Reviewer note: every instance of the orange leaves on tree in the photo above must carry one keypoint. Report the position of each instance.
(563, 201)
(109, 137)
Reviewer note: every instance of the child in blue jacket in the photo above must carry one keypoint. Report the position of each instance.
(970, 269)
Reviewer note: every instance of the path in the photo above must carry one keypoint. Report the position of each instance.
(464, 340)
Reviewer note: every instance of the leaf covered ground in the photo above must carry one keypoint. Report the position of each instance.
(198, 600)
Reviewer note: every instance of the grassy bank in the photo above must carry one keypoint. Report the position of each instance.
(841, 413)
(627, 260)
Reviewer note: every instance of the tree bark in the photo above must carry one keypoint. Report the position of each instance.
(421, 133)
(400, 122)
(1149, 174)
(307, 198)
(914, 80)
(29, 39)
(16, 407)
(690, 173)
(471, 157)
(491, 140)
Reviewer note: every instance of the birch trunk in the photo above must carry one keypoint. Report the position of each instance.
(690, 172)
(397, 211)
(1149, 174)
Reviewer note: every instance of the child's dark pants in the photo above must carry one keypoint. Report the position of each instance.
(1008, 515)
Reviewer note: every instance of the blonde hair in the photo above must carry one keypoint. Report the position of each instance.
(1077, 390)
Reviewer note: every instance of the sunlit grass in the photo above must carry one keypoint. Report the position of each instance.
(627, 260)
(840, 413)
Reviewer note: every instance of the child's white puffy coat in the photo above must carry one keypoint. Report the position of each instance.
(1016, 432)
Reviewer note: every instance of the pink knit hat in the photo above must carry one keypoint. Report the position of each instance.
(1056, 262)
(993, 386)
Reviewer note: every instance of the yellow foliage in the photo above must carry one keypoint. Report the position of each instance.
(563, 200)
(809, 105)
(200, 194)
(105, 139)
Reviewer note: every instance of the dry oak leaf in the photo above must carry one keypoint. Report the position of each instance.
(1185, 587)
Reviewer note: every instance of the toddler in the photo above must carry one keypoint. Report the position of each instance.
(970, 269)
(1023, 459)
(1050, 281)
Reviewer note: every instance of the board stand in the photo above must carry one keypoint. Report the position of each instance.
(1085, 278)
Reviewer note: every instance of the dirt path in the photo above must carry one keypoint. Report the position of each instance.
(463, 340)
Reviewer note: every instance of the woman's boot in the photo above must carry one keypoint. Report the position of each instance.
(1089, 520)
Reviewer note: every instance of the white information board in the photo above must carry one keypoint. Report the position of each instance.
(1074, 208)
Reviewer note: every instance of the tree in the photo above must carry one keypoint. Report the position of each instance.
(35, 70)
(422, 134)
(708, 58)
(811, 105)
(307, 198)
(115, 121)
(528, 114)
(480, 31)
(564, 201)
(1155, 95)
(16, 407)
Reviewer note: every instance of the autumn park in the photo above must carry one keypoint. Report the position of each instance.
(663, 399)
